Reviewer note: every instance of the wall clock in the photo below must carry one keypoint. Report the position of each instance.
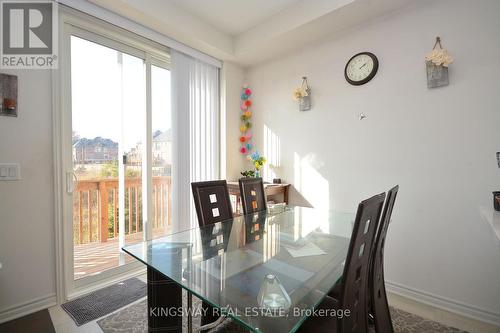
(361, 68)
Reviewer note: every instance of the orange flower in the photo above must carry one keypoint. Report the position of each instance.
(248, 102)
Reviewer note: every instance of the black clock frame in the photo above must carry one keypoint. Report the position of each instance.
(369, 77)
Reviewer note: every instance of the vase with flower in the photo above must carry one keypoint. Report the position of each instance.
(258, 162)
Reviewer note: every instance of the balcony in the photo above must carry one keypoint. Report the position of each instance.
(95, 220)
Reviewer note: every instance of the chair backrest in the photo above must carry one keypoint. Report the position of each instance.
(211, 200)
(253, 196)
(354, 290)
(214, 238)
(255, 226)
(379, 305)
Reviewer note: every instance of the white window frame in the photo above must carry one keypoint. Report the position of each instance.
(72, 22)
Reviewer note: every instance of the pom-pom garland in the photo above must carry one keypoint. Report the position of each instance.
(246, 124)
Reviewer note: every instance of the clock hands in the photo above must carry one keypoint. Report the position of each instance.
(363, 65)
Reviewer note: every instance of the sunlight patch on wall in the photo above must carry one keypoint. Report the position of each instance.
(315, 189)
(272, 152)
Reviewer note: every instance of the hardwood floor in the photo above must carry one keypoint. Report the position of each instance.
(38, 322)
(94, 258)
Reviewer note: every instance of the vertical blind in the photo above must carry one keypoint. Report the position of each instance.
(195, 131)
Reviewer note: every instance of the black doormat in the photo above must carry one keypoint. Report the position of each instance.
(104, 301)
(38, 322)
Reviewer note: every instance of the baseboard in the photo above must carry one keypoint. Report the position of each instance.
(105, 283)
(446, 304)
(27, 308)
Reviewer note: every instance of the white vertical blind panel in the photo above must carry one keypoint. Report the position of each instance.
(195, 97)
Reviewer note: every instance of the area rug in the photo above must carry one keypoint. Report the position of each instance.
(134, 319)
(105, 301)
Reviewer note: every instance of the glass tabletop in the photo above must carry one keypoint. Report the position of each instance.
(266, 271)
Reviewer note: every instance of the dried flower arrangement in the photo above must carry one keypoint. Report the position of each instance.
(302, 95)
(439, 56)
(437, 62)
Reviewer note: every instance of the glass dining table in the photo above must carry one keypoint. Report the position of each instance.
(266, 271)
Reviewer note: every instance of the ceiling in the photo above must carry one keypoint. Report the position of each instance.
(233, 16)
(250, 31)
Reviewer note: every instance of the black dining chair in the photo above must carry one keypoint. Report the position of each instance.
(354, 287)
(212, 202)
(253, 196)
(379, 308)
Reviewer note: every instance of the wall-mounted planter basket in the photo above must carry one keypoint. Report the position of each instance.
(437, 76)
(437, 62)
(305, 103)
(302, 95)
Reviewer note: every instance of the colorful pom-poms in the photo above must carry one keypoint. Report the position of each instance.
(245, 117)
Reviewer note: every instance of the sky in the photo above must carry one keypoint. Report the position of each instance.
(109, 100)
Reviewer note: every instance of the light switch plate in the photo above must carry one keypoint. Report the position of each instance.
(10, 171)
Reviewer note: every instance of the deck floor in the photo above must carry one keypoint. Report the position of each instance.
(94, 258)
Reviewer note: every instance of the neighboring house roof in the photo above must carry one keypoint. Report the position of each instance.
(163, 136)
(96, 142)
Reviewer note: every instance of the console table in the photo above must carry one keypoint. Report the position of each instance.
(274, 192)
(493, 218)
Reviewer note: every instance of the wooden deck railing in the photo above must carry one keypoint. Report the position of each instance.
(95, 207)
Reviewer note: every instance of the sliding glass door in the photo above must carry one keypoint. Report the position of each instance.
(121, 151)
(161, 150)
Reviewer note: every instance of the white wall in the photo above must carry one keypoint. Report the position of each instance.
(232, 80)
(439, 145)
(27, 206)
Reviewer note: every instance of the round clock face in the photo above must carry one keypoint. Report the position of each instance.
(361, 68)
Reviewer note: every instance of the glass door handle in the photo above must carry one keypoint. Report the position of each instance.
(71, 179)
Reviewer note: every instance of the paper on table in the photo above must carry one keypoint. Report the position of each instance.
(310, 249)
